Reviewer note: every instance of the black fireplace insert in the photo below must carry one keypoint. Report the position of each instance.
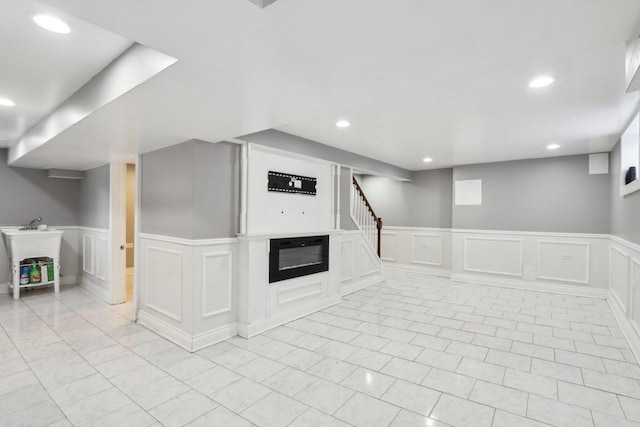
(297, 256)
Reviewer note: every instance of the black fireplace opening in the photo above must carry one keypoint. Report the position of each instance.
(297, 256)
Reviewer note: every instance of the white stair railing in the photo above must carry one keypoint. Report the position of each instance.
(365, 217)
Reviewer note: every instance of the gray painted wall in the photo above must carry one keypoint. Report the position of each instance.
(190, 190)
(94, 206)
(216, 190)
(625, 211)
(307, 147)
(553, 194)
(346, 223)
(28, 193)
(425, 201)
(167, 191)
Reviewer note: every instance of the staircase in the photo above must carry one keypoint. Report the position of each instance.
(365, 218)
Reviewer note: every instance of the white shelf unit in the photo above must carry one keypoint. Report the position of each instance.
(42, 262)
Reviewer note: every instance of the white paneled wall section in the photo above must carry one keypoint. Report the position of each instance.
(95, 262)
(624, 289)
(418, 249)
(359, 265)
(186, 292)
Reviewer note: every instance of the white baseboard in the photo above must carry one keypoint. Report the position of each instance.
(630, 333)
(183, 339)
(165, 330)
(551, 288)
(433, 271)
(100, 292)
(354, 287)
(205, 339)
(249, 330)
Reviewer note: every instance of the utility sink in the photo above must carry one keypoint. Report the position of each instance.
(23, 244)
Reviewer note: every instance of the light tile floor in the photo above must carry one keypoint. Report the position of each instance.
(414, 351)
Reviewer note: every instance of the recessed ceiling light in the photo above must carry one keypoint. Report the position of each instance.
(52, 24)
(553, 147)
(6, 102)
(427, 159)
(541, 81)
(343, 124)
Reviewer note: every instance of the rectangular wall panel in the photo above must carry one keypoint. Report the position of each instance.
(564, 261)
(164, 271)
(217, 283)
(88, 254)
(102, 258)
(493, 255)
(426, 249)
(635, 293)
(388, 246)
(619, 275)
(346, 260)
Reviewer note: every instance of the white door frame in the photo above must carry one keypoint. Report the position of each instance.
(136, 230)
(118, 226)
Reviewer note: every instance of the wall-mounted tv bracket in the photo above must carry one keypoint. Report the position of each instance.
(287, 183)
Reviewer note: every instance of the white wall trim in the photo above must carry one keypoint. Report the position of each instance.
(532, 233)
(229, 306)
(630, 333)
(95, 289)
(214, 336)
(560, 279)
(165, 330)
(188, 242)
(398, 228)
(552, 288)
(432, 271)
(626, 243)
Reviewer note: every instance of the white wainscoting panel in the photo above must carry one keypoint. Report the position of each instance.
(493, 255)
(217, 283)
(426, 249)
(564, 261)
(102, 258)
(95, 261)
(164, 281)
(361, 265)
(388, 246)
(88, 254)
(635, 293)
(369, 261)
(619, 276)
(346, 259)
(293, 292)
(624, 290)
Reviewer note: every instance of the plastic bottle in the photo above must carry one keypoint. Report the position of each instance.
(24, 275)
(34, 275)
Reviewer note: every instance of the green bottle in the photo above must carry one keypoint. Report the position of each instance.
(34, 274)
(50, 270)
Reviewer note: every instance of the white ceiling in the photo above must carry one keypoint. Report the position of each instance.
(416, 78)
(41, 69)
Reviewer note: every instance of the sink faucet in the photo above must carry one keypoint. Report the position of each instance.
(32, 225)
